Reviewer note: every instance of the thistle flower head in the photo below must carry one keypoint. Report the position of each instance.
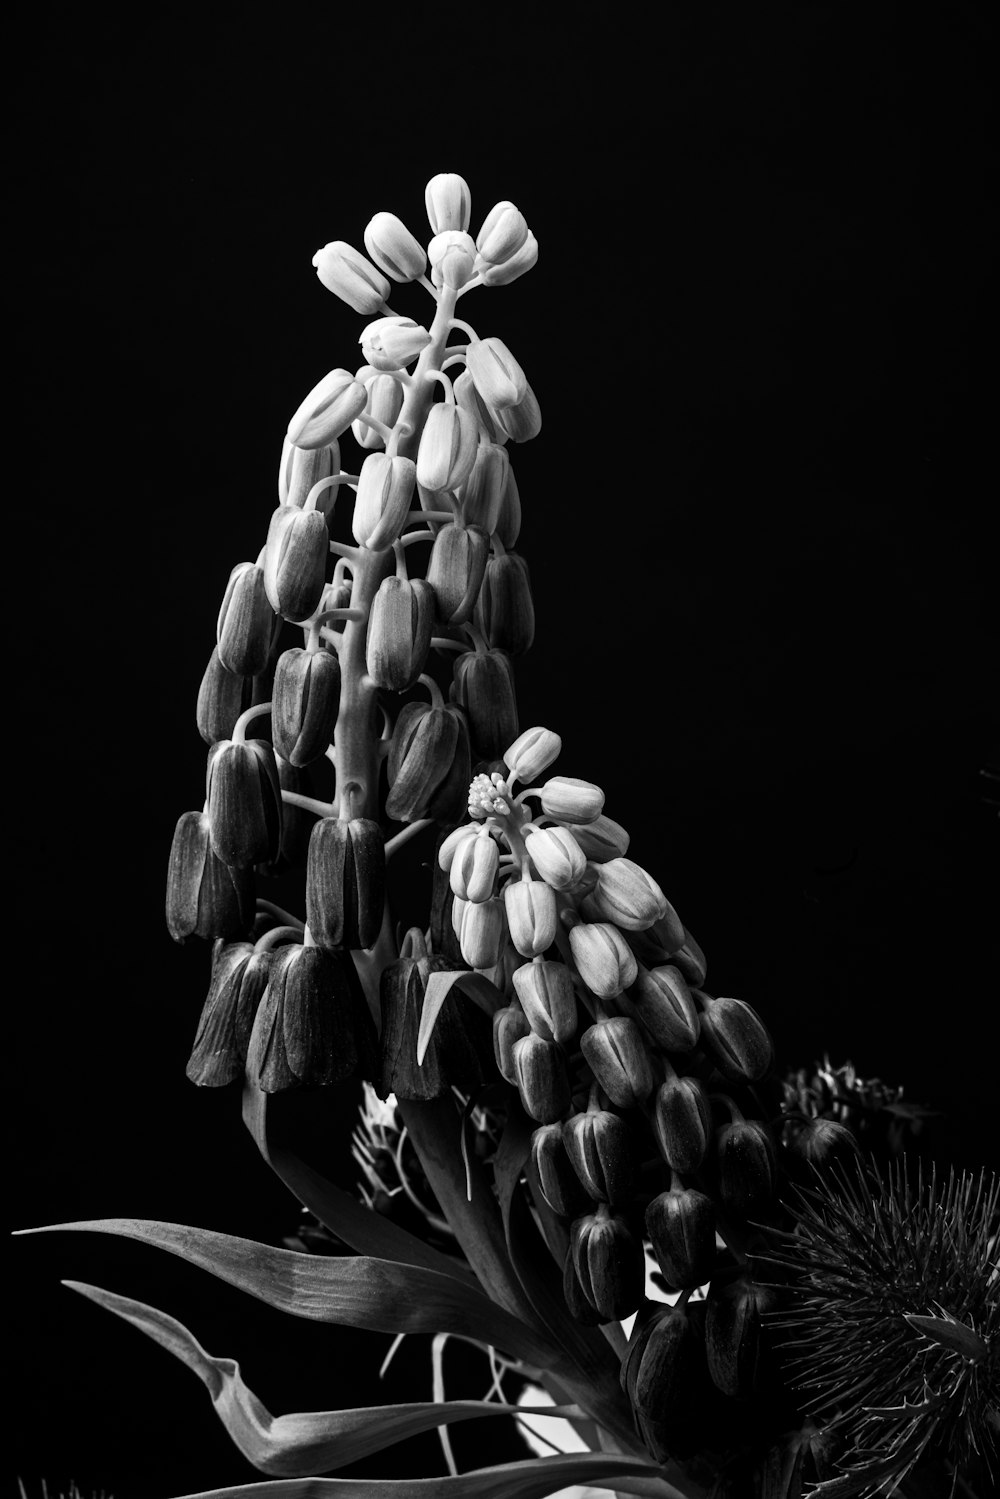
(893, 1319)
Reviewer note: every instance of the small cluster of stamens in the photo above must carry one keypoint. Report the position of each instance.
(489, 796)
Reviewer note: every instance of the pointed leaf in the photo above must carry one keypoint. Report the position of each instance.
(476, 986)
(533, 1479)
(308, 1442)
(358, 1292)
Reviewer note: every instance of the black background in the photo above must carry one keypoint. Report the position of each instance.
(756, 516)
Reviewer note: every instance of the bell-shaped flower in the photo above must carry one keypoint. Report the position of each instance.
(509, 1026)
(498, 377)
(502, 275)
(482, 930)
(345, 882)
(627, 895)
(482, 493)
(447, 450)
(222, 697)
(665, 1377)
(681, 1228)
(456, 568)
(747, 1166)
(665, 1008)
(301, 468)
(391, 343)
(609, 1264)
(618, 1058)
(384, 402)
(385, 489)
(474, 868)
(682, 1122)
(523, 421)
(351, 276)
(394, 249)
(429, 765)
(312, 1026)
(205, 897)
(506, 610)
(736, 1335)
(448, 202)
(244, 802)
(483, 684)
(246, 622)
(571, 800)
(468, 397)
(559, 1183)
(328, 410)
(542, 1078)
(737, 1039)
(239, 978)
(305, 699)
(600, 1151)
(295, 561)
(400, 625)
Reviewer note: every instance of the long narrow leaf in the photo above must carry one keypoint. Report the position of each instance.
(359, 1291)
(533, 1479)
(365, 1231)
(309, 1442)
(476, 986)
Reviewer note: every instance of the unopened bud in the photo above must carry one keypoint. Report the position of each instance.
(690, 959)
(351, 277)
(509, 523)
(482, 930)
(447, 450)
(665, 1009)
(609, 1264)
(301, 468)
(737, 1040)
(239, 978)
(747, 1166)
(556, 855)
(577, 1304)
(482, 493)
(627, 895)
(735, 1338)
(509, 1026)
(474, 868)
(394, 249)
(523, 421)
(205, 897)
(448, 202)
(400, 625)
(452, 255)
(385, 489)
(483, 684)
(468, 397)
(541, 1077)
(682, 1122)
(452, 842)
(601, 839)
(391, 343)
(531, 753)
(222, 697)
(244, 802)
(429, 764)
(617, 1056)
(328, 410)
(605, 960)
(559, 1183)
(571, 800)
(503, 233)
(295, 561)
(532, 915)
(665, 1378)
(600, 1152)
(681, 1228)
(455, 570)
(383, 402)
(246, 622)
(820, 1140)
(506, 610)
(502, 275)
(498, 377)
(305, 698)
(545, 990)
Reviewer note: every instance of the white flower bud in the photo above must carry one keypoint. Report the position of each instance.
(351, 276)
(385, 488)
(481, 929)
(498, 377)
(556, 855)
(452, 256)
(522, 421)
(531, 753)
(468, 397)
(448, 202)
(394, 249)
(481, 495)
(571, 800)
(606, 962)
(327, 410)
(450, 846)
(503, 275)
(447, 449)
(474, 869)
(503, 233)
(384, 401)
(392, 342)
(602, 839)
(532, 915)
(627, 895)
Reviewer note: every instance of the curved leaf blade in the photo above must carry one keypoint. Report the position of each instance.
(359, 1291)
(304, 1443)
(475, 986)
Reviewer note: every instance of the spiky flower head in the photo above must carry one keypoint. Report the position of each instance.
(891, 1328)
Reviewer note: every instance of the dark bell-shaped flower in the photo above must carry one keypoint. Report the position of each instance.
(239, 978)
(345, 882)
(296, 822)
(509, 524)
(506, 611)
(747, 1166)
(430, 765)
(205, 897)
(664, 1007)
(400, 625)
(577, 1304)
(559, 1183)
(456, 568)
(618, 1058)
(222, 697)
(682, 1122)
(681, 1227)
(295, 559)
(483, 685)
(246, 622)
(244, 801)
(305, 699)
(600, 1152)
(609, 1263)
(735, 1337)
(664, 1376)
(509, 1026)
(312, 1026)
(451, 1058)
(737, 1040)
(545, 989)
(542, 1078)
(820, 1140)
